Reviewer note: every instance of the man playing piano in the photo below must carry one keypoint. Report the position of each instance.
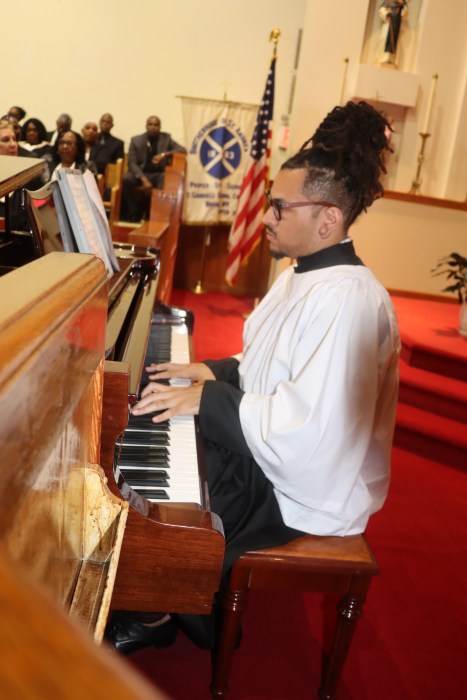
(298, 429)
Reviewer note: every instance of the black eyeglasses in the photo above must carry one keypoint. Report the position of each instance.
(277, 205)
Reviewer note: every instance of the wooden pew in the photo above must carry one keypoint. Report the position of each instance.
(162, 229)
(113, 190)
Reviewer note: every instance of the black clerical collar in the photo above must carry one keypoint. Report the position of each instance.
(340, 254)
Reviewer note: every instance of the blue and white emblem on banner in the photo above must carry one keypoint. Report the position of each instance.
(220, 152)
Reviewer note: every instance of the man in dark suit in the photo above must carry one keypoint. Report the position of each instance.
(63, 123)
(147, 158)
(18, 112)
(107, 148)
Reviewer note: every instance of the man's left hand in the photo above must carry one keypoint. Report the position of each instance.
(172, 401)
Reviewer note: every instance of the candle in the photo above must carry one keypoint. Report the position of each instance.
(344, 77)
(431, 98)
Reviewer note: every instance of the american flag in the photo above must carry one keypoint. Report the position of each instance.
(246, 228)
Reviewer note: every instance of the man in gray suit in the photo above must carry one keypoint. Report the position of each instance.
(148, 155)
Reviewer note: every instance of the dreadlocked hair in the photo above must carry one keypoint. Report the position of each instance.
(345, 159)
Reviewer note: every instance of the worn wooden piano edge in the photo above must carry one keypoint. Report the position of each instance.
(106, 517)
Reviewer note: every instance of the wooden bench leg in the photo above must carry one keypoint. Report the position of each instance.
(233, 603)
(349, 611)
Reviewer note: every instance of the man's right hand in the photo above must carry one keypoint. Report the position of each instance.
(146, 183)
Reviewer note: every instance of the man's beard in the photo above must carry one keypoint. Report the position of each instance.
(275, 254)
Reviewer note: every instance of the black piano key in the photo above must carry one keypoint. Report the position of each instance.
(146, 419)
(145, 439)
(138, 448)
(154, 458)
(156, 461)
(136, 453)
(144, 461)
(151, 427)
(141, 473)
(159, 494)
(145, 381)
(154, 483)
(146, 422)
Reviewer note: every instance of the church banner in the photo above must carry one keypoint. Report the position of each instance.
(217, 137)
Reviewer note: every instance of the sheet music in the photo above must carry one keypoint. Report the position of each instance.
(100, 216)
(80, 213)
(68, 239)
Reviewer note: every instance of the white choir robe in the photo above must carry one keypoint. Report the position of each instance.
(320, 374)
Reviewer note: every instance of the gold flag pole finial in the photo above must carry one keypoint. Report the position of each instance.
(274, 37)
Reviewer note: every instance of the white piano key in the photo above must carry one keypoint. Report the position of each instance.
(183, 459)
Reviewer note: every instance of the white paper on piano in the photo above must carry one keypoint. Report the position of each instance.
(101, 216)
(80, 212)
(68, 240)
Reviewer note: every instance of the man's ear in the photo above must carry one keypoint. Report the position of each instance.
(331, 222)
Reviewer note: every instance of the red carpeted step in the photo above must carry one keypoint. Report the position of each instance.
(430, 337)
(439, 394)
(431, 359)
(431, 435)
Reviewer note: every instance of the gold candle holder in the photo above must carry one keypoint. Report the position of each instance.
(415, 189)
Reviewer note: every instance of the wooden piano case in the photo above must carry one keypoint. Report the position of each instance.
(60, 527)
(57, 518)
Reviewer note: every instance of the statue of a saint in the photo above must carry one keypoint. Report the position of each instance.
(391, 13)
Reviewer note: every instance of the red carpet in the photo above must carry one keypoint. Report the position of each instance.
(219, 320)
(411, 642)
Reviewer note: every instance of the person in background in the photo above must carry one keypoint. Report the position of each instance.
(69, 152)
(9, 147)
(64, 122)
(16, 126)
(34, 142)
(18, 112)
(298, 428)
(147, 158)
(107, 148)
(8, 142)
(34, 138)
(89, 134)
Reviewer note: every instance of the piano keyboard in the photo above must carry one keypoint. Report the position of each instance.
(160, 461)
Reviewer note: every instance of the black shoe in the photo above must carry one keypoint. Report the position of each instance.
(127, 635)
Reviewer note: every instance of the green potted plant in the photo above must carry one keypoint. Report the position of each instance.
(454, 268)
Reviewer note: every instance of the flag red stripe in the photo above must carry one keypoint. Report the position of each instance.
(247, 226)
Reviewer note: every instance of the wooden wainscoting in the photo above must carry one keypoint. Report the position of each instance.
(189, 270)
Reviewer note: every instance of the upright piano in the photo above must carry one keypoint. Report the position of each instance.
(61, 529)
(172, 550)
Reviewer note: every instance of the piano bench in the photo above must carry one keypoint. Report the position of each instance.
(326, 565)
